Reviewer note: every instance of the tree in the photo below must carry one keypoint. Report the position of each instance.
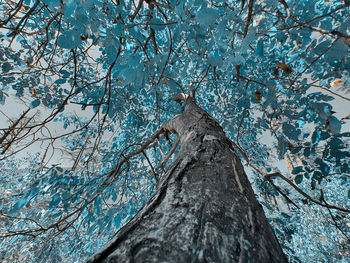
(268, 72)
(203, 210)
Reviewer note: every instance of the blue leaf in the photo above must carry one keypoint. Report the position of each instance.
(246, 41)
(6, 67)
(2, 98)
(215, 59)
(65, 73)
(322, 47)
(60, 81)
(296, 150)
(282, 147)
(172, 84)
(338, 154)
(290, 131)
(297, 170)
(207, 16)
(324, 135)
(97, 204)
(316, 175)
(51, 3)
(334, 124)
(307, 152)
(19, 204)
(337, 51)
(298, 179)
(322, 166)
(238, 60)
(335, 143)
(117, 220)
(97, 201)
(323, 109)
(69, 39)
(34, 104)
(111, 52)
(55, 201)
(260, 49)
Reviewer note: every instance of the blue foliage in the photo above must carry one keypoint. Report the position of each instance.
(107, 76)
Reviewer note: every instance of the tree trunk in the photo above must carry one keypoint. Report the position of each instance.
(204, 209)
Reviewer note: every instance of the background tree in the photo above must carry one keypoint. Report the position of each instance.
(267, 71)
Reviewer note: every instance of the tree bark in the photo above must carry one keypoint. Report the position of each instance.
(204, 209)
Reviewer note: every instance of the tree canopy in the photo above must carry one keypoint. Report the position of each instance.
(270, 72)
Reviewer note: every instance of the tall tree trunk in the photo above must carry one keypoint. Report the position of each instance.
(204, 209)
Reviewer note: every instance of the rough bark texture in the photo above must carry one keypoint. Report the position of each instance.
(204, 209)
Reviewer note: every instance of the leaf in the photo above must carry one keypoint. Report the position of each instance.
(324, 135)
(338, 51)
(207, 16)
(65, 73)
(6, 67)
(282, 146)
(112, 110)
(260, 49)
(290, 131)
(215, 59)
(238, 60)
(97, 202)
(334, 125)
(284, 67)
(298, 179)
(335, 143)
(164, 80)
(247, 40)
(97, 205)
(117, 220)
(34, 104)
(323, 166)
(316, 175)
(323, 109)
(69, 39)
(297, 170)
(111, 52)
(19, 204)
(60, 81)
(56, 199)
(51, 3)
(318, 136)
(2, 98)
(307, 152)
(172, 84)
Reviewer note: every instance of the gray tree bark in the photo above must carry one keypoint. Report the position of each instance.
(204, 209)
